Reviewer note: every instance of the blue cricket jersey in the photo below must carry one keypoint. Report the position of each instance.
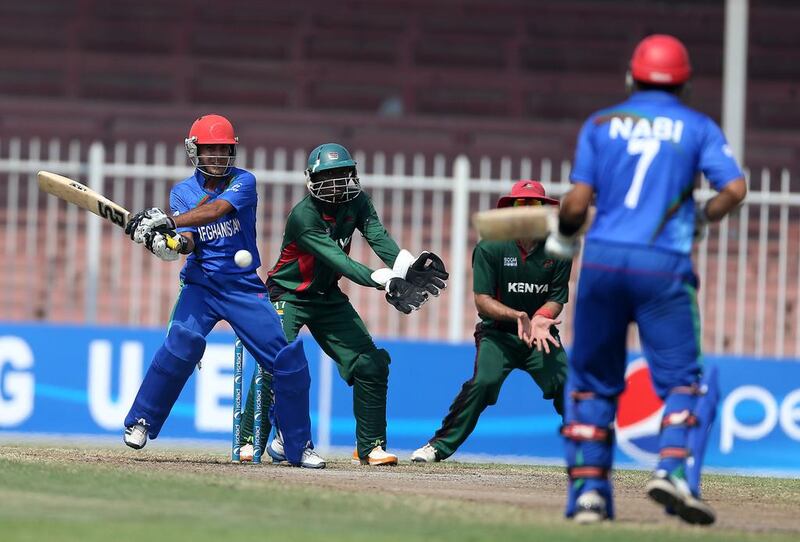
(217, 242)
(642, 157)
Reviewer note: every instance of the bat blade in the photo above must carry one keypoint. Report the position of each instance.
(83, 196)
(526, 222)
(515, 222)
(86, 198)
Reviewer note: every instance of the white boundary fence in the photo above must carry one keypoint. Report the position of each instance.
(62, 264)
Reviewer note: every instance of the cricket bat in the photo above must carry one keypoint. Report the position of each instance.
(527, 222)
(86, 198)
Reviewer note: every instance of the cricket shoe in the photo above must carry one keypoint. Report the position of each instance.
(590, 508)
(673, 493)
(136, 435)
(309, 460)
(426, 454)
(378, 456)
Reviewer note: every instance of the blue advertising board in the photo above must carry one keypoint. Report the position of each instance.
(61, 379)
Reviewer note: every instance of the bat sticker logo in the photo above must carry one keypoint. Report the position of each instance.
(77, 186)
(110, 213)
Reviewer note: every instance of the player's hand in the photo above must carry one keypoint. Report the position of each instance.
(560, 246)
(154, 221)
(133, 225)
(156, 243)
(540, 333)
(524, 329)
(428, 272)
(700, 221)
(404, 296)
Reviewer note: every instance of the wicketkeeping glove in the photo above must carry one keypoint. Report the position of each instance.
(428, 272)
(404, 296)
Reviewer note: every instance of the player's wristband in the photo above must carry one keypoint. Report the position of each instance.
(543, 311)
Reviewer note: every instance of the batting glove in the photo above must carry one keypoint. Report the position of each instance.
(560, 246)
(154, 220)
(157, 244)
(701, 221)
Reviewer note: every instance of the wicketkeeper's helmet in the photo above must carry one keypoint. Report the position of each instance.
(660, 59)
(331, 174)
(211, 130)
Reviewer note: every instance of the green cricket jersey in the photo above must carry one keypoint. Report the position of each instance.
(316, 244)
(520, 280)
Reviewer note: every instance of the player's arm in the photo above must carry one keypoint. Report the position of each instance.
(574, 209)
(484, 283)
(156, 220)
(731, 195)
(490, 307)
(720, 168)
(400, 293)
(240, 193)
(187, 245)
(373, 230)
(318, 243)
(562, 243)
(204, 214)
(427, 270)
(546, 316)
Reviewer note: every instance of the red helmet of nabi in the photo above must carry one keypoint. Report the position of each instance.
(660, 59)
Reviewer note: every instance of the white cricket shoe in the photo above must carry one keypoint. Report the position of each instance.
(426, 454)
(674, 494)
(591, 508)
(309, 460)
(136, 435)
(378, 456)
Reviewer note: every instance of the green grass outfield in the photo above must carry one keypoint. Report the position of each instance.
(45, 496)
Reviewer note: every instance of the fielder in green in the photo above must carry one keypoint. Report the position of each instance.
(303, 286)
(519, 293)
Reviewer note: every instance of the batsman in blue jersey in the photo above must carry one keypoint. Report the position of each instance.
(214, 213)
(639, 160)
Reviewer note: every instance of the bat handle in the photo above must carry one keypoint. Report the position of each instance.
(173, 243)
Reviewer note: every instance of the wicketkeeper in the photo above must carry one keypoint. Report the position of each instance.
(303, 286)
(519, 293)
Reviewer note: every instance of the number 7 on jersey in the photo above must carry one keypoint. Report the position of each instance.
(647, 148)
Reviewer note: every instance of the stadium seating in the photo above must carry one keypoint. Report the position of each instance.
(522, 66)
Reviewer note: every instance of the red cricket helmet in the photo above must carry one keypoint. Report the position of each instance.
(526, 189)
(660, 59)
(211, 130)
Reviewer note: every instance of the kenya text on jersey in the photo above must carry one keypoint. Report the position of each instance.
(528, 288)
